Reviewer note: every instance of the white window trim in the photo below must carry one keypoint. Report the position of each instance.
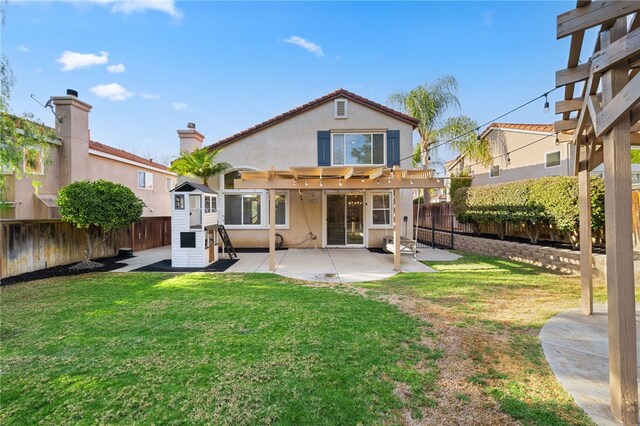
(145, 187)
(346, 108)
(369, 201)
(263, 210)
(552, 152)
(287, 196)
(491, 176)
(364, 132)
(172, 182)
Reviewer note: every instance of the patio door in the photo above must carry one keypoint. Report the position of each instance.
(345, 220)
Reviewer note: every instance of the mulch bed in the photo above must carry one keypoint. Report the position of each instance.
(108, 264)
(165, 266)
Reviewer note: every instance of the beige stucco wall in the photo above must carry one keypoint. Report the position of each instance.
(292, 143)
(72, 160)
(526, 163)
(156, 199)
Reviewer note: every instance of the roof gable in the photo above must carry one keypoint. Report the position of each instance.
(340, 93)
(192, 186)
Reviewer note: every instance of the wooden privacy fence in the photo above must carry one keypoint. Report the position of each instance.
(33, 245)
(151, 232)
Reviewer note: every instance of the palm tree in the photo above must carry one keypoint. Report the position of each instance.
(200, 163)
(428, 104)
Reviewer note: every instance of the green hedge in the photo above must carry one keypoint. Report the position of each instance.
(548, 201)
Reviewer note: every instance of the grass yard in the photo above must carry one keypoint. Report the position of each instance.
(487, 313)
(224, 349)
(455, 347)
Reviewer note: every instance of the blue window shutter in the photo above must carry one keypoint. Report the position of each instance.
(324, 148)
(393, 148)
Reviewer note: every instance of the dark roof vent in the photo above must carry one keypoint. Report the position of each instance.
(191, 125)
(71, 92)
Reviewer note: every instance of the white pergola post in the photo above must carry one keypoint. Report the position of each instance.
(272, 230)
(397, 230)
(584, 191)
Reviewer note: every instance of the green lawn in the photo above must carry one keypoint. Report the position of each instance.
(458, 346)
(224, 349)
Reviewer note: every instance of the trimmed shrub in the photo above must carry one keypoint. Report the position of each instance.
(548, 201)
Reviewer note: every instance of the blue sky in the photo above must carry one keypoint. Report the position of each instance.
(148, 69)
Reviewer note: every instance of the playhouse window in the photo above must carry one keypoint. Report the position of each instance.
(179, 203)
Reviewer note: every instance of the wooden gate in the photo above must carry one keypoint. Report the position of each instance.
(151, 232)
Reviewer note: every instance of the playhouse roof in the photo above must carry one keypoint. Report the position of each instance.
(192, 186)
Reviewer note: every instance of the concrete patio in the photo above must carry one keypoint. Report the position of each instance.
(325, 265)
(576, 347)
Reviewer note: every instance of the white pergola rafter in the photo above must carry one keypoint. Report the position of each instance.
(604, 121)
(356, 178)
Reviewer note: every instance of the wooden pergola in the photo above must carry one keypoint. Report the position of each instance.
(346, 178)
(603, 118)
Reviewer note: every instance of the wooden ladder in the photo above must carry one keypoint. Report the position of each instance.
(227, 242)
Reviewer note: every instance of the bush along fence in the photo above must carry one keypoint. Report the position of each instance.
(548, 204)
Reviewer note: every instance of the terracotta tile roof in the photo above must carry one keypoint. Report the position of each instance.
(124, 154)
(340, 93)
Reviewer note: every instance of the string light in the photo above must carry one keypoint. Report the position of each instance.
(294, 181)
(508, 159)
(362, 179)
(306, 183)
(544, 95)
(546, 103)
(378, 181)
(320, 182)
(339, 181)
(557, 140)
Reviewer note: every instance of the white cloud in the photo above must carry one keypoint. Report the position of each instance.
(305, 44)
(131, 6)
(149, 96)
(74, 60)
(113, 92)
(22, 48)
(179, 106)
(116, 69)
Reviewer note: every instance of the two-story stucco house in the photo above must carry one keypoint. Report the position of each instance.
(525, 151)
(336, 167)
(73, 156)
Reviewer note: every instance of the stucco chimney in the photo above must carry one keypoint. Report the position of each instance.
(72, 128)
(190, 139)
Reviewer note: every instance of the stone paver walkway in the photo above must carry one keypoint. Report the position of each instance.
(576, 347)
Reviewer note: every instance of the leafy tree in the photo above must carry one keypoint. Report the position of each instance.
(101, 204)
(428, 103)
(462, 179)
(21, 138)
(635, 156)
(200, 163)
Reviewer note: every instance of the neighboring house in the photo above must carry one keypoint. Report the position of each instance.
(338, 131)
(75, 157)
(525, 151)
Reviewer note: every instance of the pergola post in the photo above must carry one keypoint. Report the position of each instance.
(272, 230)
(396, 230)
(584, 195)
(620, 282)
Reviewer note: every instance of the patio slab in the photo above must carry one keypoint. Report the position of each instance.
(322, 265)
(576, 347)
(144, 258)
(436, 255)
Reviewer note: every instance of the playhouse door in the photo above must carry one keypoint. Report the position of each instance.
(212, 245)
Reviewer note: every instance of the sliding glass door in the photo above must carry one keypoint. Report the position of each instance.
(345, 219)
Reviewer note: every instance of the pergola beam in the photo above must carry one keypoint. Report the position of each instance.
(350, 184)
(620, 105)
(573, 75)
(617, 52)
(592, 15)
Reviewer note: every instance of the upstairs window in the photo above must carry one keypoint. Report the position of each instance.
(171, 183)
(145, 180)
(494, 171)
(358, 148)
(340, 108)
(552, 159)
